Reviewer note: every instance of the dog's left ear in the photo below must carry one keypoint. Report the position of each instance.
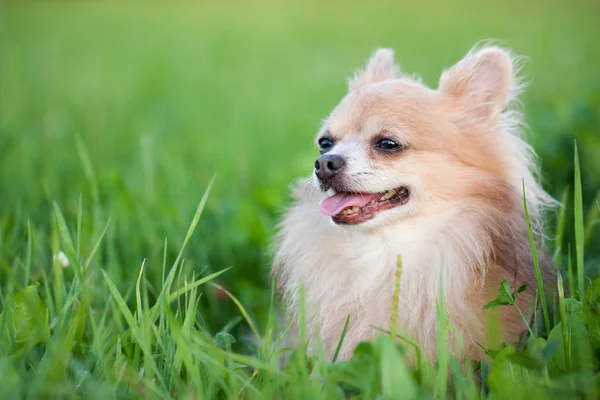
(380, 67)
(481, 82)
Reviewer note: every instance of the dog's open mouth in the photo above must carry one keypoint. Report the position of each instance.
(355, 208)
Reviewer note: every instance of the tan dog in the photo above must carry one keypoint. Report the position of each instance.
(434, 176)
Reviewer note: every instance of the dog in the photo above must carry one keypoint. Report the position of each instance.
(427, 182)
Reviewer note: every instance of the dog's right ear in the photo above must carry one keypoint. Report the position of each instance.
(380, 67)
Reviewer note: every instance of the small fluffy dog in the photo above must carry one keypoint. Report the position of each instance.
(433, 176)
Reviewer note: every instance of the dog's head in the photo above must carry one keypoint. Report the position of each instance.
(394, 147)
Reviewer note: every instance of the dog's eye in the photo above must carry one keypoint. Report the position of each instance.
(388, 145)
(325, 144)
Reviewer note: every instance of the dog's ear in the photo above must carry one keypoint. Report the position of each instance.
(482, 82)
(380, 67)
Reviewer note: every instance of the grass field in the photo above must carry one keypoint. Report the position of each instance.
(115, 118)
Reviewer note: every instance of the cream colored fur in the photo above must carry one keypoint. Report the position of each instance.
(465, 163)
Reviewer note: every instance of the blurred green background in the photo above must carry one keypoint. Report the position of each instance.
(136, 106)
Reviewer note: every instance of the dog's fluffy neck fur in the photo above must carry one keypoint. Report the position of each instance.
(474, 242)
(357, 276)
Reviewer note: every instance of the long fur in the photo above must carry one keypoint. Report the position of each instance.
(466, 163)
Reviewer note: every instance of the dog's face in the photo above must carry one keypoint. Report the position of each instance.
(394, 148)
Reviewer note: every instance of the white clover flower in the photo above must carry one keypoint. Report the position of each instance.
(62, 259)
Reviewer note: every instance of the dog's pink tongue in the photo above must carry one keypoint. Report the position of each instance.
(333, 205)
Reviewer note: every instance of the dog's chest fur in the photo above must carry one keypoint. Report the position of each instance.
(350, 272)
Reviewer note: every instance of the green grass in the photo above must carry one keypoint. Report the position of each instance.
(120, 124)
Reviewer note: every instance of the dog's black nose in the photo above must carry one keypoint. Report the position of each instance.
(328, 165)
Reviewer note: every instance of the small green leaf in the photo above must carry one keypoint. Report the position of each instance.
(574, 307)
(224, 340)
(592, 322)
(493, 304)
(510, 378)
(364, 349)
(504, 292)
(579, 346)
(504, 297)
(521, 289)
(396, 380)
(551, 349)
(26, 319)
(526, 360)
(536, 346)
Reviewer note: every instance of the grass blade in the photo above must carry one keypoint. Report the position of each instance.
(79, 222)
(138, 294)
(442, 340)
(135, 329)
(579, 230)
(88, 170)
(341, 342)
(560, 225)
(171, 276)
(58, 280)
(563, 320)
(66, 239)
(29, 251)
(536, 264)
(64, 231)
(95, 249)
(173, 296)
(570, 275)
(394, 317)
(195, 220)
(592, 219)
(183, 349)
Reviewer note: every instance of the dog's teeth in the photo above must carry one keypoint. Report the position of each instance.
(372, 202)
(350, 210)
(388, 195)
